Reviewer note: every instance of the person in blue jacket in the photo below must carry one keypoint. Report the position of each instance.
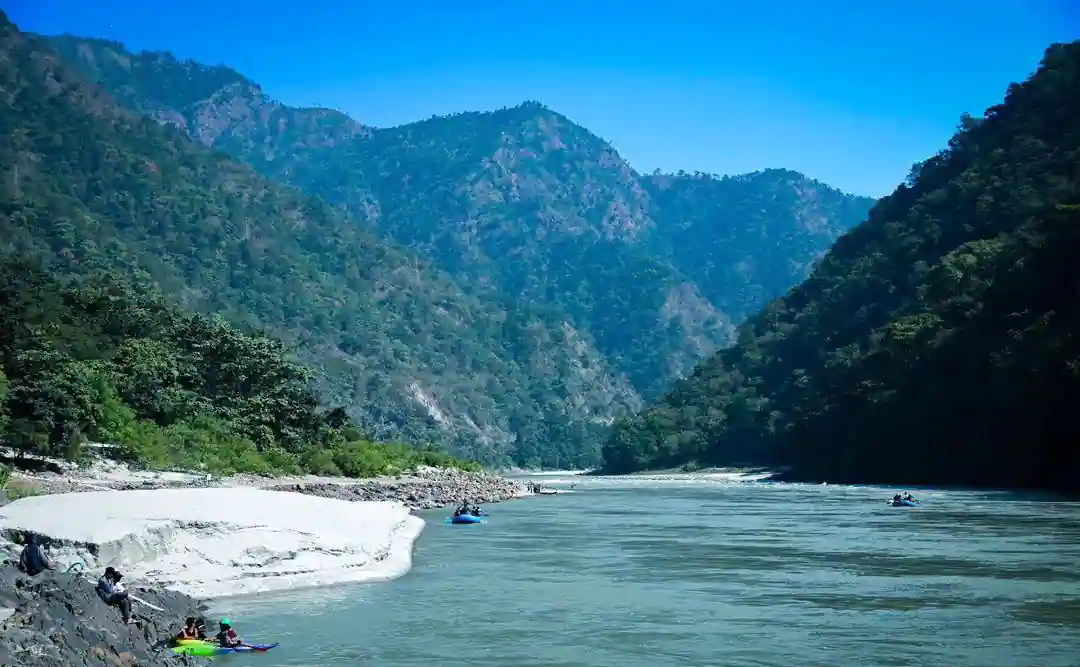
(33, 560)
(112, 592)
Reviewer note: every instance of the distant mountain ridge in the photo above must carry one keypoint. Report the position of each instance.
(593, 275)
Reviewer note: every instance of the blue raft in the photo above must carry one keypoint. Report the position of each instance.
(903, 503)
(464, 518)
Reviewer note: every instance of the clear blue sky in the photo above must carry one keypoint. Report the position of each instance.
(851, 93)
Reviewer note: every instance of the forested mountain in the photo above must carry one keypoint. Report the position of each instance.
(935, 343)
(705, 224)
(522, 207)
(86, 185)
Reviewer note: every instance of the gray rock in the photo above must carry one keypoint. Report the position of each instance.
(427, 489)
(59, 620)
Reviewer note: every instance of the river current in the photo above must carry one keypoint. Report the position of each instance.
(696, 570)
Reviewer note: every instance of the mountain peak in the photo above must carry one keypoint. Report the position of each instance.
(533, 105)
(213, 104)
(98, 57)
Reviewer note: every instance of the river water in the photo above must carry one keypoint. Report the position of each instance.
(631, 572)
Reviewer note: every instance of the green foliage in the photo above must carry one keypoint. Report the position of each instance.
(13, 489)
(934, 344)
(108, 362)
(4, 386)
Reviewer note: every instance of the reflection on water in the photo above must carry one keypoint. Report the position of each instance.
(691, 570)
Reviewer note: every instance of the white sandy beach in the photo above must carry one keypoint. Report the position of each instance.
(217, 542)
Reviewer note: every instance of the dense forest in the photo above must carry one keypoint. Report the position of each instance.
(532, 215)
(105, 361)
(935, 343)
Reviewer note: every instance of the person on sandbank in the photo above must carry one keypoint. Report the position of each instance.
(227, 637)
(33, 560)
(113, 594)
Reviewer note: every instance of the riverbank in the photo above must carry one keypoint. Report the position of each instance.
(421, 489)
(181, 544)
(214, 536)
(199, 536)
(218, 542)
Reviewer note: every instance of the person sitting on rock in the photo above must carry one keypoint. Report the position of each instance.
(33, 560)
(113, 594)
(228, 637)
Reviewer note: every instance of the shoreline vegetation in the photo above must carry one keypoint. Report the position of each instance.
(420, 487)
(104, 360)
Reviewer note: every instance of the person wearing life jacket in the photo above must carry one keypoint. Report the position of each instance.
(192, 629)
(189, 631)
(227, 637)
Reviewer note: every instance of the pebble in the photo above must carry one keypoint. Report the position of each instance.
(425, 489)
(422, 489)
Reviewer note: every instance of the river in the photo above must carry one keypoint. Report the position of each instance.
(629, 572)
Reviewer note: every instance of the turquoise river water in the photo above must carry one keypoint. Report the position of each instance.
(639, 572)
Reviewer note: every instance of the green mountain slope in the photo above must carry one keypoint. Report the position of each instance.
(106, 361)
(531, 206)
(935, 343)
(705, 225)
(85, 185)
(520, 205)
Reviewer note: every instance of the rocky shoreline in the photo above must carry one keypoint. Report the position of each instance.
(424, 488)
(56, 619)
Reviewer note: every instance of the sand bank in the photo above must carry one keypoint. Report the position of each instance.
(216, 542)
